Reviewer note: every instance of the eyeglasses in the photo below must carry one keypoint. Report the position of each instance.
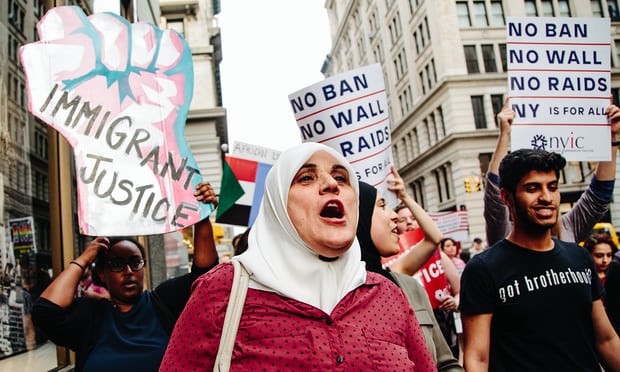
(119, 264)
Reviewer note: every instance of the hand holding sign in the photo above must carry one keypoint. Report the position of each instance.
(120, 94)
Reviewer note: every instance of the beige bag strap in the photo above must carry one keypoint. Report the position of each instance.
(239, 289)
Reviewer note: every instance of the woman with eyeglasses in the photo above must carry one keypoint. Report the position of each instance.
(130, 331)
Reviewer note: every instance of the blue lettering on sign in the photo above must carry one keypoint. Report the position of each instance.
(516, 29)
(516, 56)
(519, 83)
(309, 99)
(344, 87)
(307, 129)
(365, 142)
(522, 110)
(564, 30)
(362, 112)
(577, 83)
(573, 57)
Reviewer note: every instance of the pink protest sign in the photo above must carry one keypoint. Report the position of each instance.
(120, 94)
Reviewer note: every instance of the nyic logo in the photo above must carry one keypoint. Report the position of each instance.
(558, 143)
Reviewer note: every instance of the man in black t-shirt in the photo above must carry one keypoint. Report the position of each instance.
(532, 302)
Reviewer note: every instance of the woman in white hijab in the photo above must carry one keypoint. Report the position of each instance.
(311, 305)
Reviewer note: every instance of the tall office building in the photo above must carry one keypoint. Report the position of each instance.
(445, 69)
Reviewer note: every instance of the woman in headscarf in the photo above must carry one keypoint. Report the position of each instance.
(310, 305)
(378, 237)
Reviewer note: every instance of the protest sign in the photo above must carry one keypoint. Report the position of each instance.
(434, 279)
(21, 231)
(120, 94)
(559, 85)
(349, 113)
(452, 224)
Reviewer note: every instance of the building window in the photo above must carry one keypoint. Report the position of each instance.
(597, 8)
(377, 53)
(480, 14)
(374, 24)
(176, 25)
(502, 54)
(415, 142)
(395, 29)
(447, 181)
(433, 126)
(471, 59)
(422, 37)
(477, 103)
(554, 8)
(612, 8)
(431, 134)
(442, 178)
(564, 8)
(361, 46)
(418, 193)
(530, 8)
(356, 18)
(13, 48)
(497, 13)
(409, 151)
(462, 12)
(406, 100)
(438, 182)
(401, 64)
(547, 8)
(16, 15)
(441, 122)
(488, 56)
(429, 79)
(421, 74)
(497, 101)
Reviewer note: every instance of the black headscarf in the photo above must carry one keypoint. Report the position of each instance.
(370, 254)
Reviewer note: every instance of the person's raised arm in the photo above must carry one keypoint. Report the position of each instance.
(505, 119)
(205, 251)
(62, 289)
(594, 202)
(606, 170)
(411, 262)
(495, 212)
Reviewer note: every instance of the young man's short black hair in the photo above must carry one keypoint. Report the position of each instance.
(519, 162)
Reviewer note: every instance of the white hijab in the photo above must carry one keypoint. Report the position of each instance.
(280, 261)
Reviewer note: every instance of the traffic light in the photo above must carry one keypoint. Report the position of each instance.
(468, 185)
(477, 185)
(218, 233)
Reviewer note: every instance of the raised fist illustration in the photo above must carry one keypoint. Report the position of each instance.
(120, 94)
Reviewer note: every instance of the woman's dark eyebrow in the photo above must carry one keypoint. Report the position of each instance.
(307, 166)
(340, 167)
(336, 167)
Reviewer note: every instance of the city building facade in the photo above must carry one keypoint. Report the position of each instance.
(445, 69)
